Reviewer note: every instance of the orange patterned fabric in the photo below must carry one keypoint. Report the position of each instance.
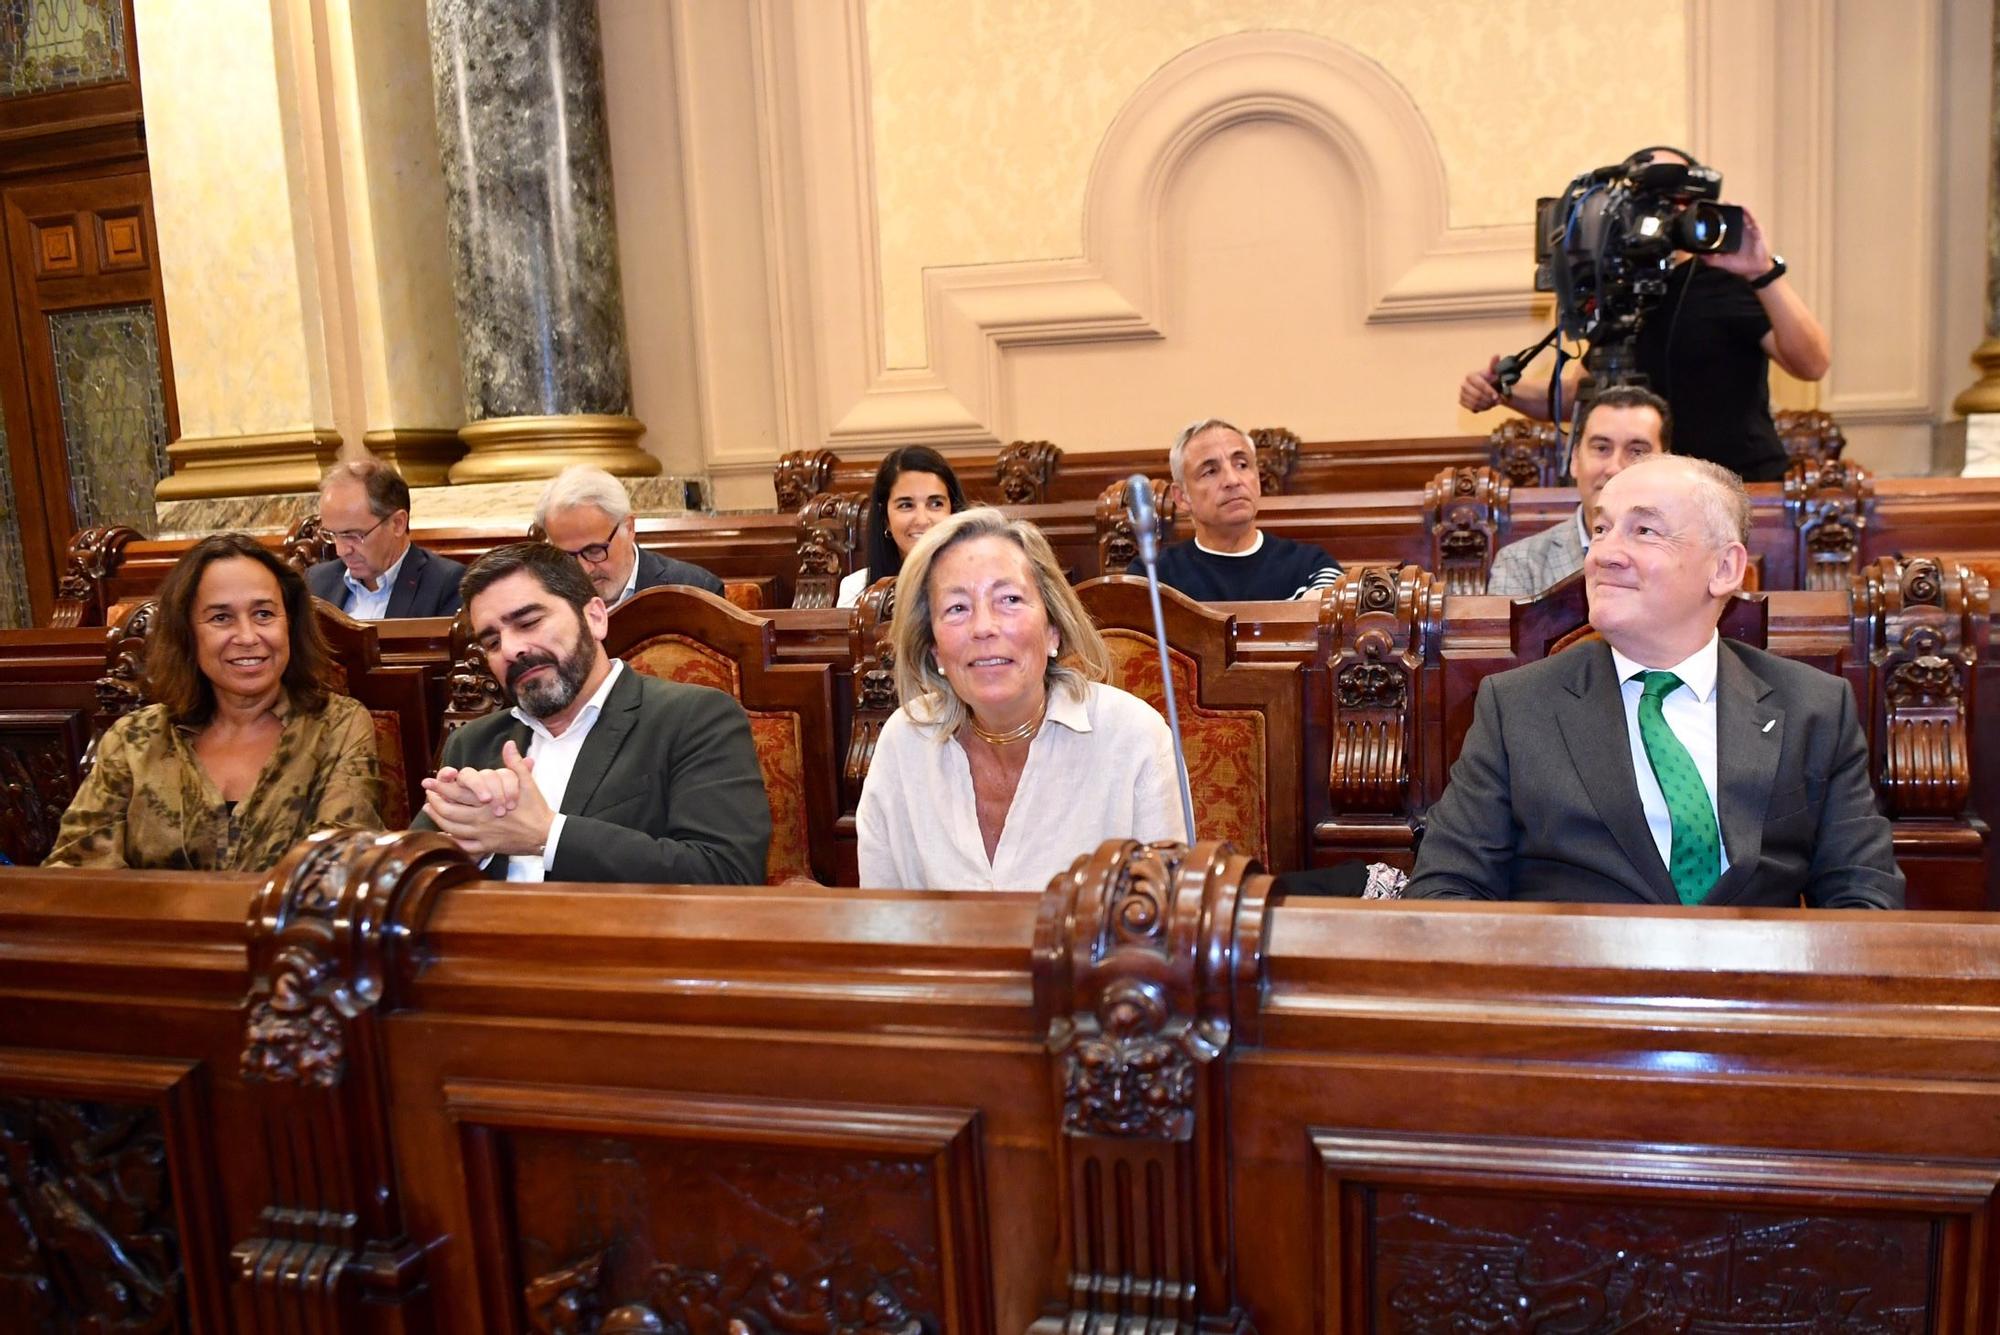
(746, 594)
(1225, 747)
(395, 773)
(775, 733)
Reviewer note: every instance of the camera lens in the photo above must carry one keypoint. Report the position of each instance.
(1701, 229)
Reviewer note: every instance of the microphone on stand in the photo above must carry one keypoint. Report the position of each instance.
(1145, 528)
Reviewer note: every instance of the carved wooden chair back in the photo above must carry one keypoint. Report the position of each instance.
(685, 635)
(1529, 454)
(1828, 503)
(1809, 435)
(1242, 722)
(1117, 543)
(1467, 513)
(832, 529)
(398, 702)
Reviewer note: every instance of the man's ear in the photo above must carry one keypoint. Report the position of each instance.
(1731, 564)
(596, 617)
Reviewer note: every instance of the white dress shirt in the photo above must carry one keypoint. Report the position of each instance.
(852, 586)
(1689, 710)
(1102, 767)
(365, 604)
(555, 760)
(631, 579)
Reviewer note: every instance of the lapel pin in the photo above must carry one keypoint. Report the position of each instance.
(1769, 725)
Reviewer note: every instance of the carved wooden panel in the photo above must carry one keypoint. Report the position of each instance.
(121, 241)
(1117, 543)
(40, 750)
(1467, 513)
(1425, 1234)
(1277, 457)
(1528, 454)
(1829, 503)
(56, 251)
(632, 1210)
(1024, 469)
(1809, 435)
(871, 648)
(802, 475)
(830, 541)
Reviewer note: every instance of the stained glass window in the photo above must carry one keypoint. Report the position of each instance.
(49, 45)
(14, 612)
(114, 412)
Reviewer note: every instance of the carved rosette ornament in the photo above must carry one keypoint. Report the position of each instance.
(1277, 457)
(1922, 626)
(333, 941)
(1528, 454)
(871, 648)
(1466, 511)
(1117, 545)
(94, 556)
(1378, 629)
(802, 475)
(1146, 967)
(1023, 471)
(830, 541)
(1809, 435)
(1828, 504)
(306, 545)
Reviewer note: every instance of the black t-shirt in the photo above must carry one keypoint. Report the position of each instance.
(1701, 350)
(1278, 571)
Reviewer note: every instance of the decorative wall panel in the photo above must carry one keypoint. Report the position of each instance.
(13, 592)
(114, 413)
(50, 45)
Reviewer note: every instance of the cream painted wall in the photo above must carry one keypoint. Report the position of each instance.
(237, 272)
(987, 117)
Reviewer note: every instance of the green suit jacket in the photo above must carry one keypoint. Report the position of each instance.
(666, 791)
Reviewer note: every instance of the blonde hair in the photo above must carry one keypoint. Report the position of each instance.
(1080, 656)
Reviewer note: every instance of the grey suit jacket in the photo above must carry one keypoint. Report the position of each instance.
(666, 791)
(1525, 568)
(655, 570)
(1543, 802)
(426, 586)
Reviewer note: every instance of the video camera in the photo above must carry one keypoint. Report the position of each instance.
(1606, 244)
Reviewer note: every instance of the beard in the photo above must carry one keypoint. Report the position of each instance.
(551, 695)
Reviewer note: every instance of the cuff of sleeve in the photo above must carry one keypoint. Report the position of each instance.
(549, 848)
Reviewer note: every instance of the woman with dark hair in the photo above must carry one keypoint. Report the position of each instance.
(914, 489)
(246, 750)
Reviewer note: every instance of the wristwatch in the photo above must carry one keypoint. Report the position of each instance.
(1770, 275)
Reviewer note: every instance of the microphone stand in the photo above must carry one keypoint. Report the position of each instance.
(1145, 528)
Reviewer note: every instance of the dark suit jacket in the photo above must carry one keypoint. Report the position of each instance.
(666, 791)
(1543, 802)
(426, 586)
(655, 570)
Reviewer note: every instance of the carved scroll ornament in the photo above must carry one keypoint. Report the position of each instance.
(1277, 457)
(1923, 626)
(1809, 435)
(872, 650)
(1828, 504)
(1024, 469)
(1528, 454)
(750, 1295)
(307, 545)
(1466, 511)
(1377, 629)
(94, 555)
(1117, 544)
(802, 475)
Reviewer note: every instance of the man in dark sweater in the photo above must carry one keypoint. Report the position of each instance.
(1230, 561)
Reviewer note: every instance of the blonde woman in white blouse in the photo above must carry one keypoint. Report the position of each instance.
(1010, 756)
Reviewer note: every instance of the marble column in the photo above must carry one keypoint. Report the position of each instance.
(1981, 403)
(527, 168)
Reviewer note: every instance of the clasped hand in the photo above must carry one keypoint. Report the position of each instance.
(489, 811)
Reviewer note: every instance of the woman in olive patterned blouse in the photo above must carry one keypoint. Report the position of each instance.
(247, 750)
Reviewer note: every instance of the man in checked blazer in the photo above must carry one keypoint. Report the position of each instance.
(1624, 425)
(1661, 764)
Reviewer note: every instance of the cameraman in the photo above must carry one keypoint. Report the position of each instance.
(1703, 349)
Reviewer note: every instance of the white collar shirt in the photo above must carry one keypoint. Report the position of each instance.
(1689, 710)
(631, 579)
(1582, 528)
(1102, 767)
(365, 604)
(555, 760)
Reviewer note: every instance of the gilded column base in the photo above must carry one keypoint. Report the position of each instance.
(519, 449)
(211, 466)
(422, 455)
(1984, 396)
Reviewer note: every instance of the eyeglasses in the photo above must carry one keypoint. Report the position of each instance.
(597, 551)
(350, 536)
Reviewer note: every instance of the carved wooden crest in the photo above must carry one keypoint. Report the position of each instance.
(471, 691)
(1277, 457)
(1809, 435)
(1923, 627)
(1466, 511)
(1828, 504)
(1145, 967)
(871, 648)
(122, 688)
(1528, 454)
(802, 475)
(94, 555)
(306, 545)
(1117, 545)
(830, 541)
(1023, 470)
(1377, 629)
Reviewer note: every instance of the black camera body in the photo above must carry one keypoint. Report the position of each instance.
(1605, 245)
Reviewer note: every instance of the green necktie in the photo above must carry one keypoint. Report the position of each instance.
(1697, 844)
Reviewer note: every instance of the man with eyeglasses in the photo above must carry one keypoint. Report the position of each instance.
(376, 573)
(586, 512)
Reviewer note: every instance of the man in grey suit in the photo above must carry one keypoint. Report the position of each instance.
(377, 572)
(588, 513)
(598, 773)
(1624, 425)
(1662, 764)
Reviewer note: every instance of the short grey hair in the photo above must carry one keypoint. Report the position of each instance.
(1718, 495)
(1177, 455)
(580, 484)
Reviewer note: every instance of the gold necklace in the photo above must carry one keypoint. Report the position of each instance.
(1012, 735)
